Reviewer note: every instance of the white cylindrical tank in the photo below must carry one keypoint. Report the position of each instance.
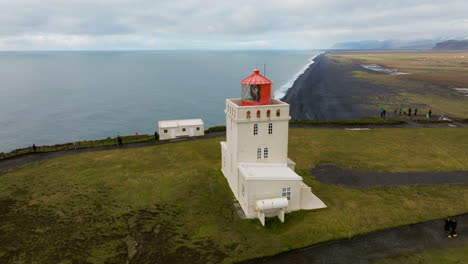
(271, 204)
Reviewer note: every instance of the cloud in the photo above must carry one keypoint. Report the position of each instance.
(209, 24)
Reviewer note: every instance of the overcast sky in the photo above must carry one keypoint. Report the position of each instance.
(236, 24)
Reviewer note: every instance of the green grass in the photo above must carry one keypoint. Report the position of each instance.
(455, 255)
(358, 122)
(171, 204)
(430, 121)
(432, 70)
(80, 144)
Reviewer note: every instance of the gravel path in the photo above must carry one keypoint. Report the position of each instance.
(377, 245)
(331, 174)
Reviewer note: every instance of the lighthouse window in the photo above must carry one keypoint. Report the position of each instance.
(258, 114)
(165, 130)
(265, 153)
(248, 114)
(183, 129)
(198, 128)
(255, 129)
(243, 190)
(278, 113)
(251, 92)
(287, 193)
(259, 153)
(270, 129)
(255, 92)
(268, 113)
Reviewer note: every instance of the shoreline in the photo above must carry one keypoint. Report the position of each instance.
(290, 83)
(322, 92)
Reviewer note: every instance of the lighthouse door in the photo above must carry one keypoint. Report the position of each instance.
(172, 133)
(191, 131)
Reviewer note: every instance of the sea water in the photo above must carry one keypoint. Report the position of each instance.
(56, 97)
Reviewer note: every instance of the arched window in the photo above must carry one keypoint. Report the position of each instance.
(268, 113)
(270, 129)
(255, 130)
(258, 114)
(265, 153)
(259, 153)
(278, 113)
(248, 114)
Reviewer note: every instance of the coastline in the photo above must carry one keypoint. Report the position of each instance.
(288, 85)
(327, 91)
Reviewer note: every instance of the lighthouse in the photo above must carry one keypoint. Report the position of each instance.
(255, 154)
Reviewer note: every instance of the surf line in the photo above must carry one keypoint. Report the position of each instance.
(281, 92)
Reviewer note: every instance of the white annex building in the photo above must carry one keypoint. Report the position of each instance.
(254, 156)
(169, 129)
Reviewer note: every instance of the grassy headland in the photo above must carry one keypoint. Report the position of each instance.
(429, 84)
(170, 203)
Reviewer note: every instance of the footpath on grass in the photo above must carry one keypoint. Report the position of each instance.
(19, 160)
(378, 245)
(355, 178)
(366, 123)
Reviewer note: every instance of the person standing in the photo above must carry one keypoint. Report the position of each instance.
(430, 113)
(119, 140)
(409, 112)
(453, 227)
(34, 147)
(381, 112)
(447, 225)
(384, 113)
(415, 112)
(395, 112)
(401, 111)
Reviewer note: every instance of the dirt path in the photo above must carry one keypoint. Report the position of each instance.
(353, 178)
(32, 157)
(375, 246)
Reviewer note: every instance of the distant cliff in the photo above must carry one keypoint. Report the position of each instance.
(452, 45)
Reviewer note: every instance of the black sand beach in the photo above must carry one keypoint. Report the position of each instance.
(328, 91)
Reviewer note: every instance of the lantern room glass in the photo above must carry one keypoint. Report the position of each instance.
(251, 92)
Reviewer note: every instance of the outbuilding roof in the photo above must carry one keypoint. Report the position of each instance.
(180, 123)
(268, 171)
(256, 78)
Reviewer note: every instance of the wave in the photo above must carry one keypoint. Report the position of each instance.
(281, 92)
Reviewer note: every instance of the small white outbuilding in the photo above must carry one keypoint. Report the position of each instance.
(169, 129)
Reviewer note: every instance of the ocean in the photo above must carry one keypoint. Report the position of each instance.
(49, 98)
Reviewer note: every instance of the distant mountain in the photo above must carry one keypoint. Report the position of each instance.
(452, 45)
(386, 44)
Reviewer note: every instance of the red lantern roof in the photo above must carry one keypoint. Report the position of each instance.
(256, 78)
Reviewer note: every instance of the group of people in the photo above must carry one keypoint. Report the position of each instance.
(450, 226)
(404, 111)
(408, 111)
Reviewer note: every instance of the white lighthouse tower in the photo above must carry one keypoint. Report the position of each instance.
(254, 156)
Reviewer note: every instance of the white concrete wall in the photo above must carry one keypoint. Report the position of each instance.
(240, 131)
(259, 190)
(179, 132)
(166, 135)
